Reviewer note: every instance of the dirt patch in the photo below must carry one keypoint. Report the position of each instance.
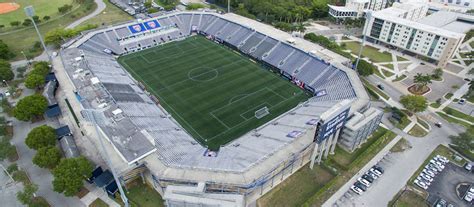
(8, 7)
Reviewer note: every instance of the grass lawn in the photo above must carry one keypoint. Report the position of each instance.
(456, 113)
(390, 66)
(42, 8)
(382, 138)
(111, 15)
(417, 131)
(300, 186)
(423, 123)
(399, 58)
(399, 78)
(453, 120)
(375, 89)
(440, 150)
(98, 203)
(466, 153)
(400, 146)
(409, 198)
(371, 52)
(142, 195)
(402, 124)
(435, 105)
(23, 39)
(212, 91)
(377, 72)
(448, 95)
(387, 73)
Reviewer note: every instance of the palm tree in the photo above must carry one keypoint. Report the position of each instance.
(421, 81)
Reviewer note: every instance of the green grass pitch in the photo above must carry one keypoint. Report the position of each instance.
(211, 90)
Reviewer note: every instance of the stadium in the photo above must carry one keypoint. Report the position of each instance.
(211, 109)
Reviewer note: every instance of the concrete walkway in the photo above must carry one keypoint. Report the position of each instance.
(100, 7)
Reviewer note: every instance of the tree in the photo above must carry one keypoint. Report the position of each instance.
(46, 18)
(364, 68)
(27, 22)
(421, 81)
(47, 157)
(414, 103)
(33, 81)
(6, 148)
(26, 196)
(42, 136)
(464, 140)
(30, 107)
(15, 23)
(40, 68)
(6, 72)
(437, 74)
(69, 175)
(5, 52)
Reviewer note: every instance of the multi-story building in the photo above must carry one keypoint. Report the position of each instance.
(359, 127)
(435, 38)
(451, 5)
(356, 8)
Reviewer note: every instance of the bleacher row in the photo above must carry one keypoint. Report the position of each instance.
(293, 63)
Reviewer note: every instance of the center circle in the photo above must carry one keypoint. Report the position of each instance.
(202, 74)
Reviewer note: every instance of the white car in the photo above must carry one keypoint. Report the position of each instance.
(373, 175)
(426, 177)
(442, 158)
(468, 198)
(433, 169)
(468, 166)
(471, 190)
(428, 172)
(363, 181)
(434, 162)
(421, 184)
(356, 190)
(375, 172)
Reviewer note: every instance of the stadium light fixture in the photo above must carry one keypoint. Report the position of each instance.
(368, 16)
(30, 12)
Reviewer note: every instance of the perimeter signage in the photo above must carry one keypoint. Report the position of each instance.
(330, 127)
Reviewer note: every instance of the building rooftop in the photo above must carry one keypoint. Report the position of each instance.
(450, 21)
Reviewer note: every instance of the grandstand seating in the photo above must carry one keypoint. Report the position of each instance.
(291, 61)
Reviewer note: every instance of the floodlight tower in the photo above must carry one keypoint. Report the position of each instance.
(30, 12)
(228, 6)
(368, 16)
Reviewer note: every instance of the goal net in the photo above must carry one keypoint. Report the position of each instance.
(261, 112)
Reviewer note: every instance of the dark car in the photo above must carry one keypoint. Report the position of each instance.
(360, 185)
(378, 168)
(380, 86)
(368, 178)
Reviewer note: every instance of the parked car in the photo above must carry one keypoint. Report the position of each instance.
(373, 175)
(421, 184)
(468, 198)
(361, 186)
(430, 173)
(434, 169)
(468, 166)
(380, 86)
(378, 168)
(368, 178)
(438, 124)
(442, 158)
(363, 181)
(462, 101)
(375, 172)
(356, 190)
(426, 177)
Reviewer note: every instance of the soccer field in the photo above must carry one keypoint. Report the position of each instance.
(212, 91)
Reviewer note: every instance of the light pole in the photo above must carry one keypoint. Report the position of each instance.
(30, 12)
(27, 61)
(228, 6)
(368, 16)
(91, 116)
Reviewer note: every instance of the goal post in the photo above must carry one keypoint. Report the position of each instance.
(260, 113)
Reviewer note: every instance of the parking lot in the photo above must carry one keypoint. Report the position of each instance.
(445, 183)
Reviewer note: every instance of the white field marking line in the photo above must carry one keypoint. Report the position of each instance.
(213, 111)
(284, 101)
(163, 100)
(197, 76)
(240, 96)
(187, 79)
(225, 125)
(264, 105)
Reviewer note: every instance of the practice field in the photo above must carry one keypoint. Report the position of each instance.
(42, 8)
(212, 91)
